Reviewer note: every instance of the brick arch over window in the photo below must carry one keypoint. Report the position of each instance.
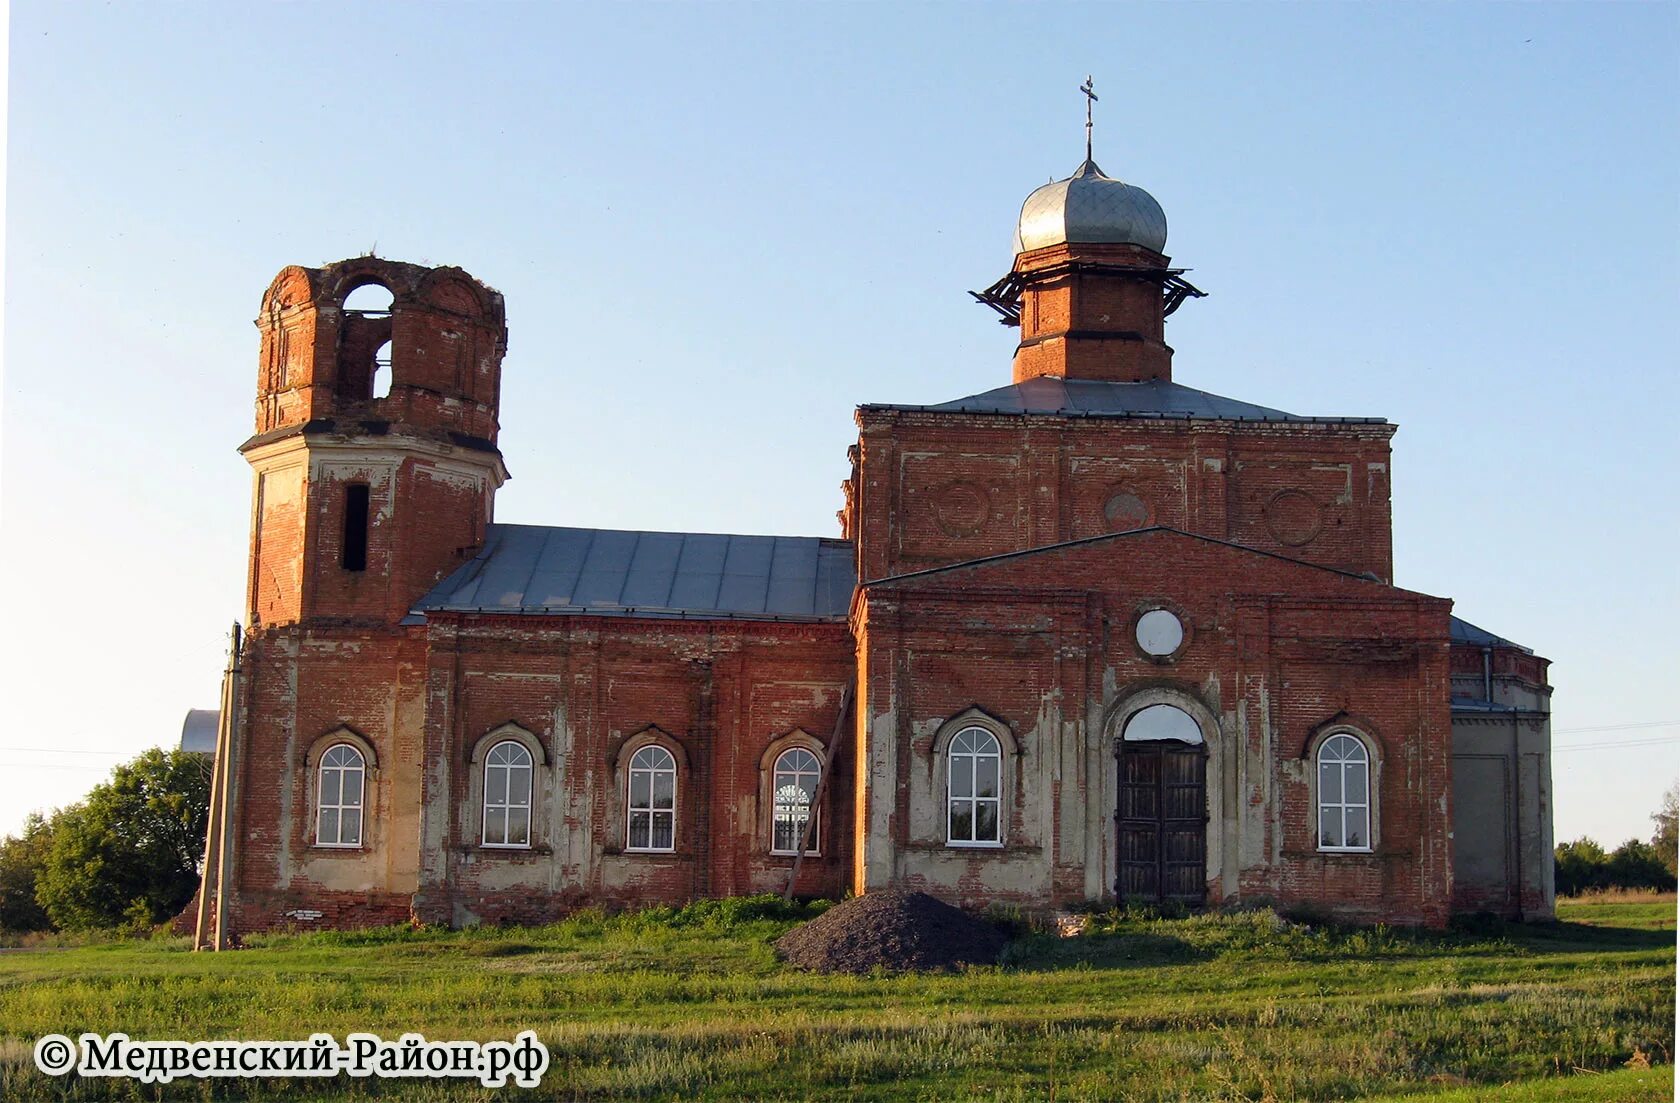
(1344, 720)
(542, 773)
(293, 286)
(452, 289)
(1147, 696)
(800, 739)
(513, 731)
(348, 276)
(977, 717)
(372, 826)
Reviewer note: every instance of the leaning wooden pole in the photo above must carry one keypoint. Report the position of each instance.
(227, 737)
(207, 874)
(822, 787)
(215, 826)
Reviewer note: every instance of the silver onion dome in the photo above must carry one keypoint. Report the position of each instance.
(1092, 208)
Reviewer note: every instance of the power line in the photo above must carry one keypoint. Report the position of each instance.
(62, 750)
(1619, 727)
(1658, 742)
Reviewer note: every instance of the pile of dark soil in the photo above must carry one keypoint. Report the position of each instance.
(894, 929)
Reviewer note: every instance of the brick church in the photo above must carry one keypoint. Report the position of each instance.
(1088, 635)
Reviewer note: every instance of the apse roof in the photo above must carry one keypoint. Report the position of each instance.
(1093, 398)
(536, 569)
(1463, 631)
(198, 730)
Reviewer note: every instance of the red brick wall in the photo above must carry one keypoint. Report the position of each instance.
(1277, 650)
(1092, 311)
(301, 686)
(720, 693)
(929, 489)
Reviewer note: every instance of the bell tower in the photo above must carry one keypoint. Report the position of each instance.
(375, 455)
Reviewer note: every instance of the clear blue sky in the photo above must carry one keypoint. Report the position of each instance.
(720, 227)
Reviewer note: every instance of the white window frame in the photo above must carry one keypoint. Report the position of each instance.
(814, 772)
(1342, 807)
(343, 769)
(507, 804)
(973, 800)
(653, 767)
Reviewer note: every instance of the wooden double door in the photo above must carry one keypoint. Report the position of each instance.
(1162, 822)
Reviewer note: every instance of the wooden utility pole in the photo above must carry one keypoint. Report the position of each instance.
(822, 787)
(212, 891)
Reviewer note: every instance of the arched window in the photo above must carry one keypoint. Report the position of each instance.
(507, 795)
(793, 790)
(1162, 722)
(382, 371)
(653, 800)
(370, 298)
(338, 801)
(1344, 794)
(975, 782)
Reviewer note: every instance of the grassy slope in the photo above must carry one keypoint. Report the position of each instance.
(1206, 1008)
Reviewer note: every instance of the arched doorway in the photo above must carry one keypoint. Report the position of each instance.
(1162, 816)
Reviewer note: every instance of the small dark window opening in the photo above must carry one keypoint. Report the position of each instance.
(355, 526)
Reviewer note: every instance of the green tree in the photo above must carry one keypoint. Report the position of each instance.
(1667, 838)
(1636, 865)
(1581, 865)
(21, 859)
(129, 852)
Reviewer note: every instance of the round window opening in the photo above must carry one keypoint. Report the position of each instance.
(1159, 633)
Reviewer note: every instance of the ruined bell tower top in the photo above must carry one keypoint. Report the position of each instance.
(430, 362)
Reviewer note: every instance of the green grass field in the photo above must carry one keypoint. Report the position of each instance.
(694, 1005)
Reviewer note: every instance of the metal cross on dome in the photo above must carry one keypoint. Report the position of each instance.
(1090, 98)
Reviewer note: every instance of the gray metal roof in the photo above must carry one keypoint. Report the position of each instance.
(1462, 631)
(198, 730)
(1090, 206)
(1157, 398)
(537, 569)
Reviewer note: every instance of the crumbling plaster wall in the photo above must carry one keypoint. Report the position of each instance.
(592, 690)
(1502, 784)
(305, 690)
(1043, 644)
